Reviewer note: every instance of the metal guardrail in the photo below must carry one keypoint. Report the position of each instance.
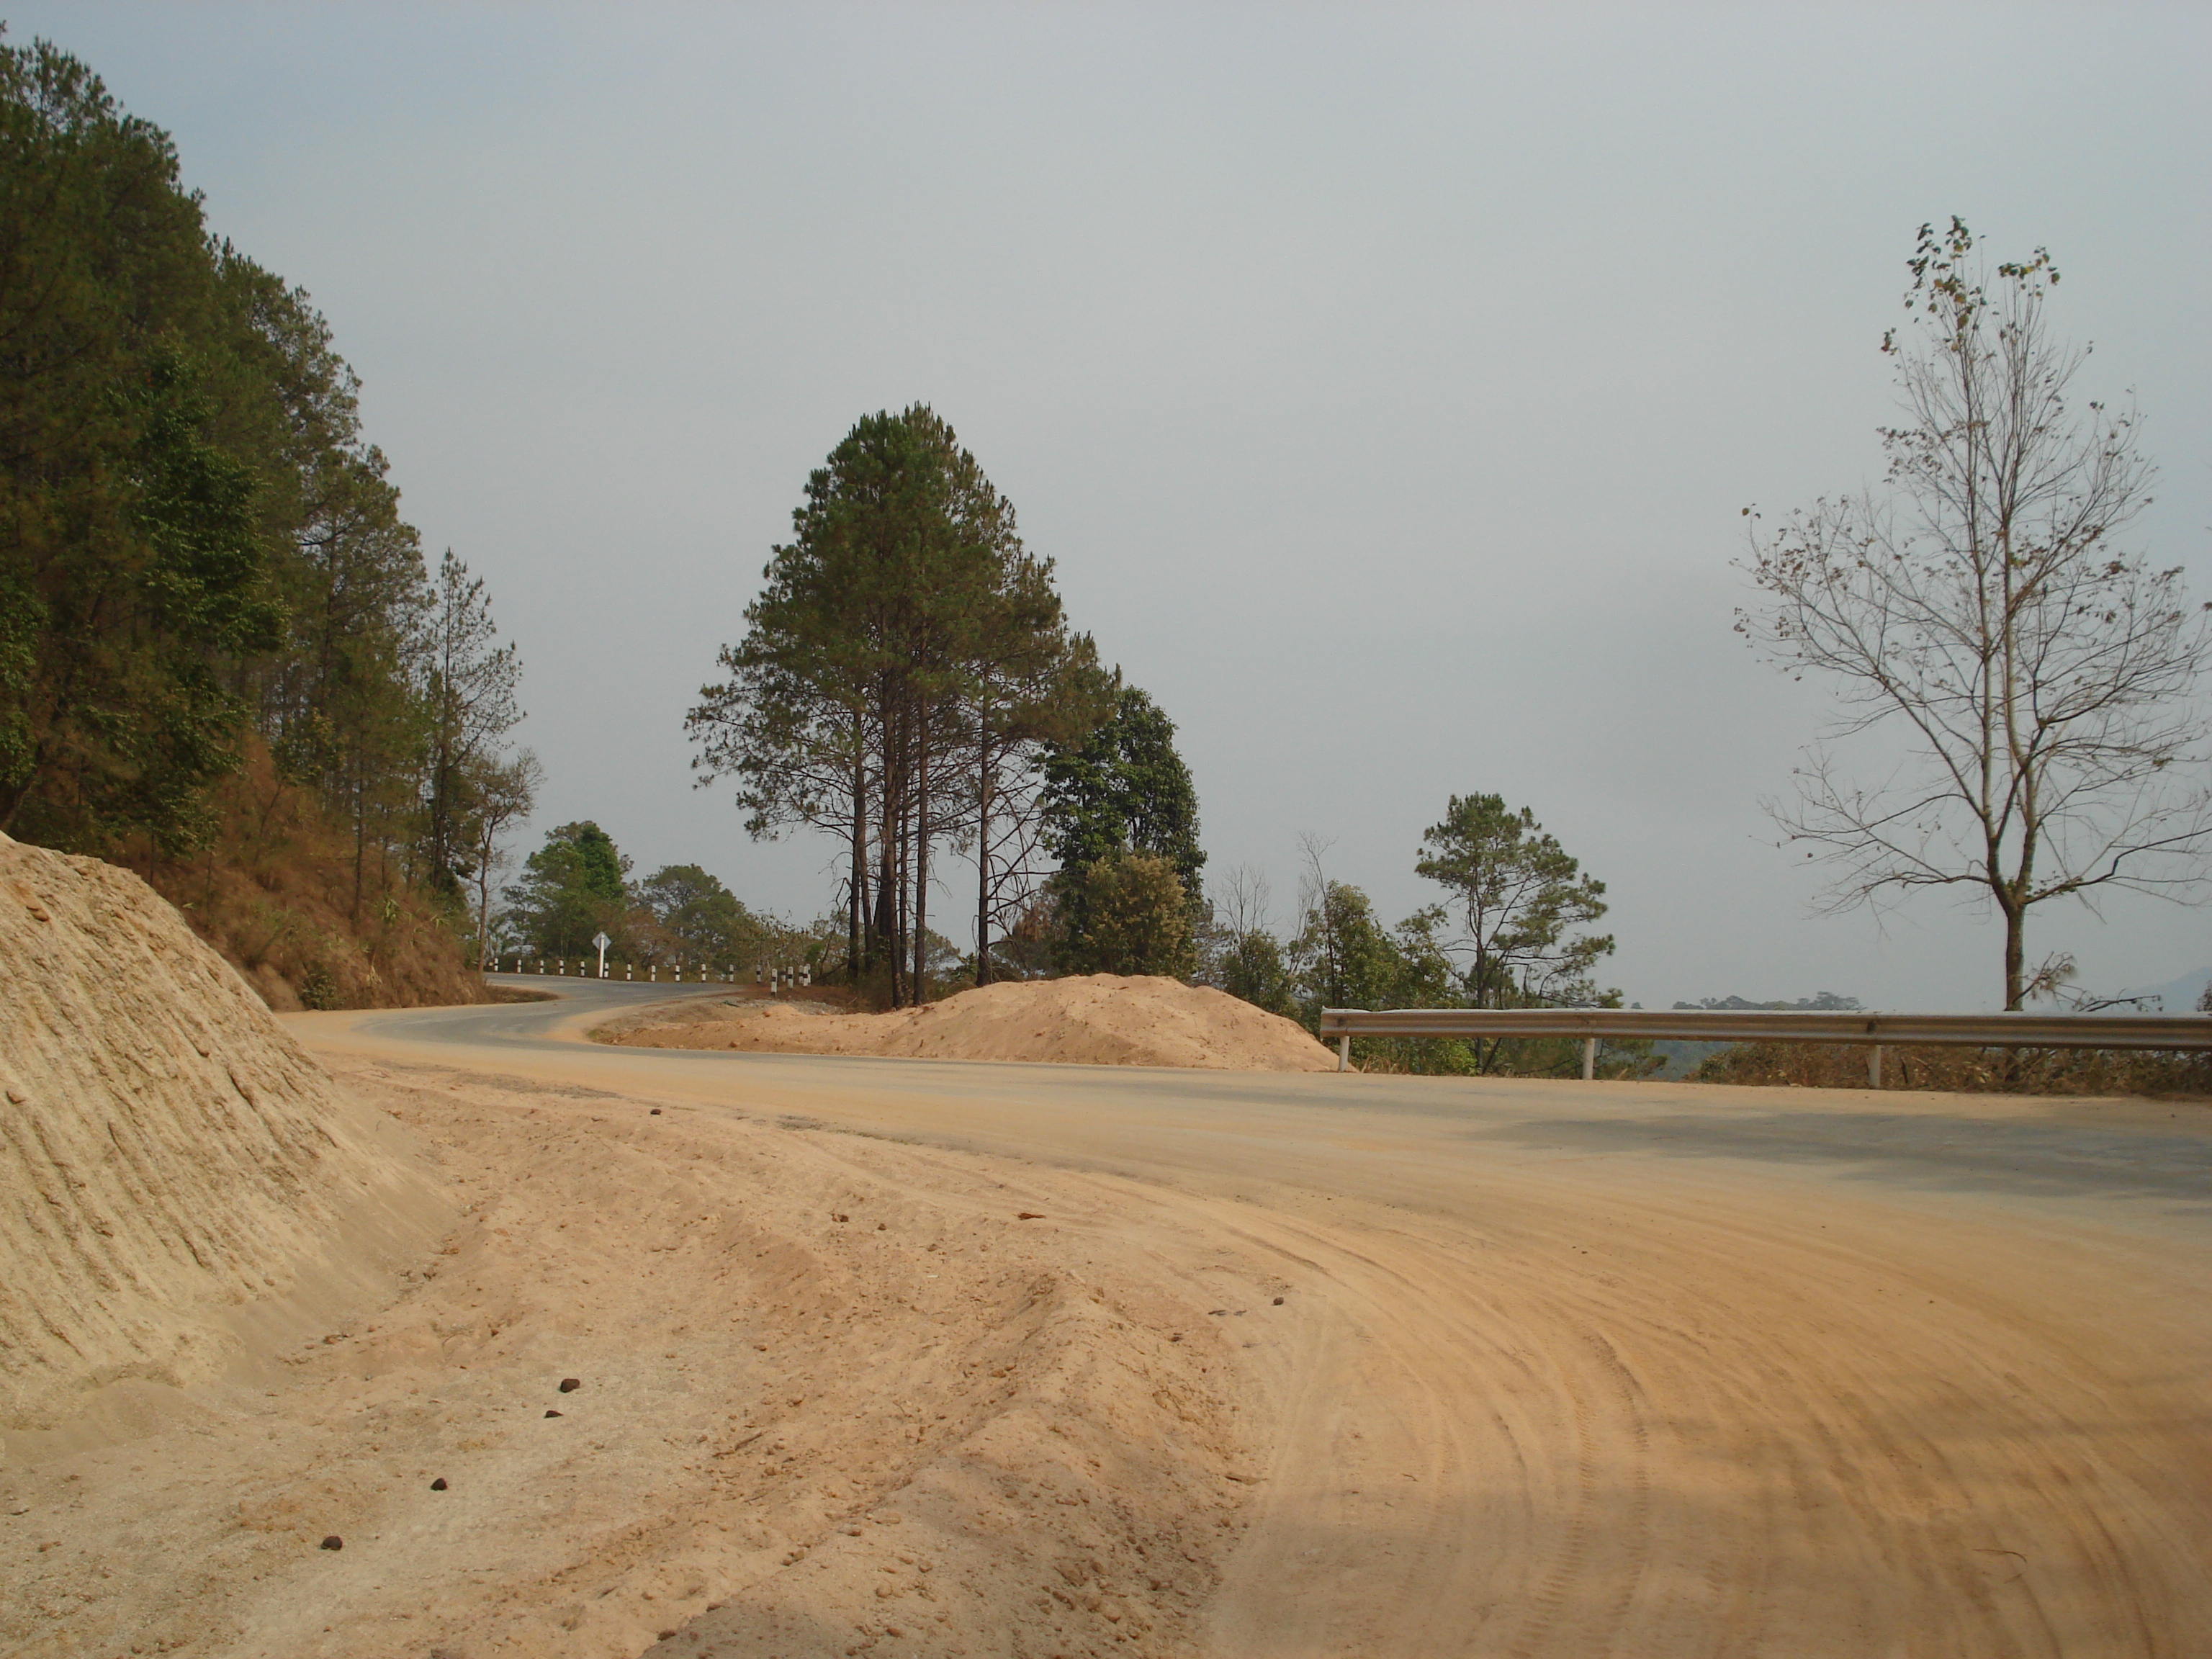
(2022, 1030)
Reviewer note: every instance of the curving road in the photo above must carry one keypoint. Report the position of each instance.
(1619, 1368)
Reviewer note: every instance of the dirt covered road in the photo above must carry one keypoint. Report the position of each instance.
(895, 1357)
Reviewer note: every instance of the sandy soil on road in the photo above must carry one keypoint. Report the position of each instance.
(1639, 1372)
(1094, 1019)
(847, 1393)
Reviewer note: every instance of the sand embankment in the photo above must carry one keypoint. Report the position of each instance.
(1099, 1019)
(833, 1394)
(180, 1187)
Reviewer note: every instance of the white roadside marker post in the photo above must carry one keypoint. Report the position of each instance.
(1590, 1059)
(1874, 1066)
(1344, 1052)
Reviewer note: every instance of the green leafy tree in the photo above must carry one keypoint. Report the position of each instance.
(695, 918)
(1136, 918)
(1343, 956)
(1124, 789)
(1254, 968)
(1519, 899)
(200, 555)
(121, 529)
(1512, 927)
(572, 888)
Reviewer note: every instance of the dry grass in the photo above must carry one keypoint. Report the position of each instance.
(1965, 1071)
(276, 892)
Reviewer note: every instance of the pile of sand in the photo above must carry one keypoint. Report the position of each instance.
(1103, 1019)
(179, 1185)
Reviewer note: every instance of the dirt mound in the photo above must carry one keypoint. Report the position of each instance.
(178, 1184)
(1101, 1019)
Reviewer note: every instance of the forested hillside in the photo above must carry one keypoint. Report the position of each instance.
(224, 658)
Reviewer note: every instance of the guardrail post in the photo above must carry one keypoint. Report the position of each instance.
(1590, 1059)
(1344, 1053)
(1874, 1066)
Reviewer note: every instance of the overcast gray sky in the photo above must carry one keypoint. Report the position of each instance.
(1386, 382)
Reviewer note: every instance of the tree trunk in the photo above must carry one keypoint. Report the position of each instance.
(922, 872)
(2015, 919)
(983, 865)
(856, 900)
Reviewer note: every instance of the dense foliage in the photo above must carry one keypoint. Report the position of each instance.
(200, 554)
(1122, 791)
(1125, 913)
(572, 888)
(578, 885)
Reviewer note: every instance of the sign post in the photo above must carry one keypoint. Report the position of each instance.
(602, 941)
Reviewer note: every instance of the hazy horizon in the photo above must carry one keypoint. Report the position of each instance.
(1387, 384)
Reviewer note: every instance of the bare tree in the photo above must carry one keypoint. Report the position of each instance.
(1979, 605)
(1244, 900)
(505, 791)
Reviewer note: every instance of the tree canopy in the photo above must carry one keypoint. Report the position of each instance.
(902, 665)
(1517, 897)
(572, 888)
(695, 918)
(1123, 791)
(1134, 918)
(200, 555)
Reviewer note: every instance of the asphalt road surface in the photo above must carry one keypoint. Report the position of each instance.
(1643, 1369)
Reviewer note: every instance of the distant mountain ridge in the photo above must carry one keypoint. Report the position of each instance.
(2177, 996)
(1684, 1056)
(1820, 1002)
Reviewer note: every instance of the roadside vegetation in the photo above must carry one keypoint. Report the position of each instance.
(225, 660)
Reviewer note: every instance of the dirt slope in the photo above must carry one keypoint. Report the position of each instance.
(1101, 1019)
(178, 1184)
(833, 1395)
(278, 894)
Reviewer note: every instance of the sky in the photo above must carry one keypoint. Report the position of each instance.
(1386, 382)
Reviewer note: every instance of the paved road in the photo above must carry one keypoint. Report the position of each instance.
(2158, 1155)
(1608, 1368)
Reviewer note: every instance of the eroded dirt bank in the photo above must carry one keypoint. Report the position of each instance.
(839, 1390)
(179, 1185)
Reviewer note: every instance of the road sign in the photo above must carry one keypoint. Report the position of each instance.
(602, 941)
